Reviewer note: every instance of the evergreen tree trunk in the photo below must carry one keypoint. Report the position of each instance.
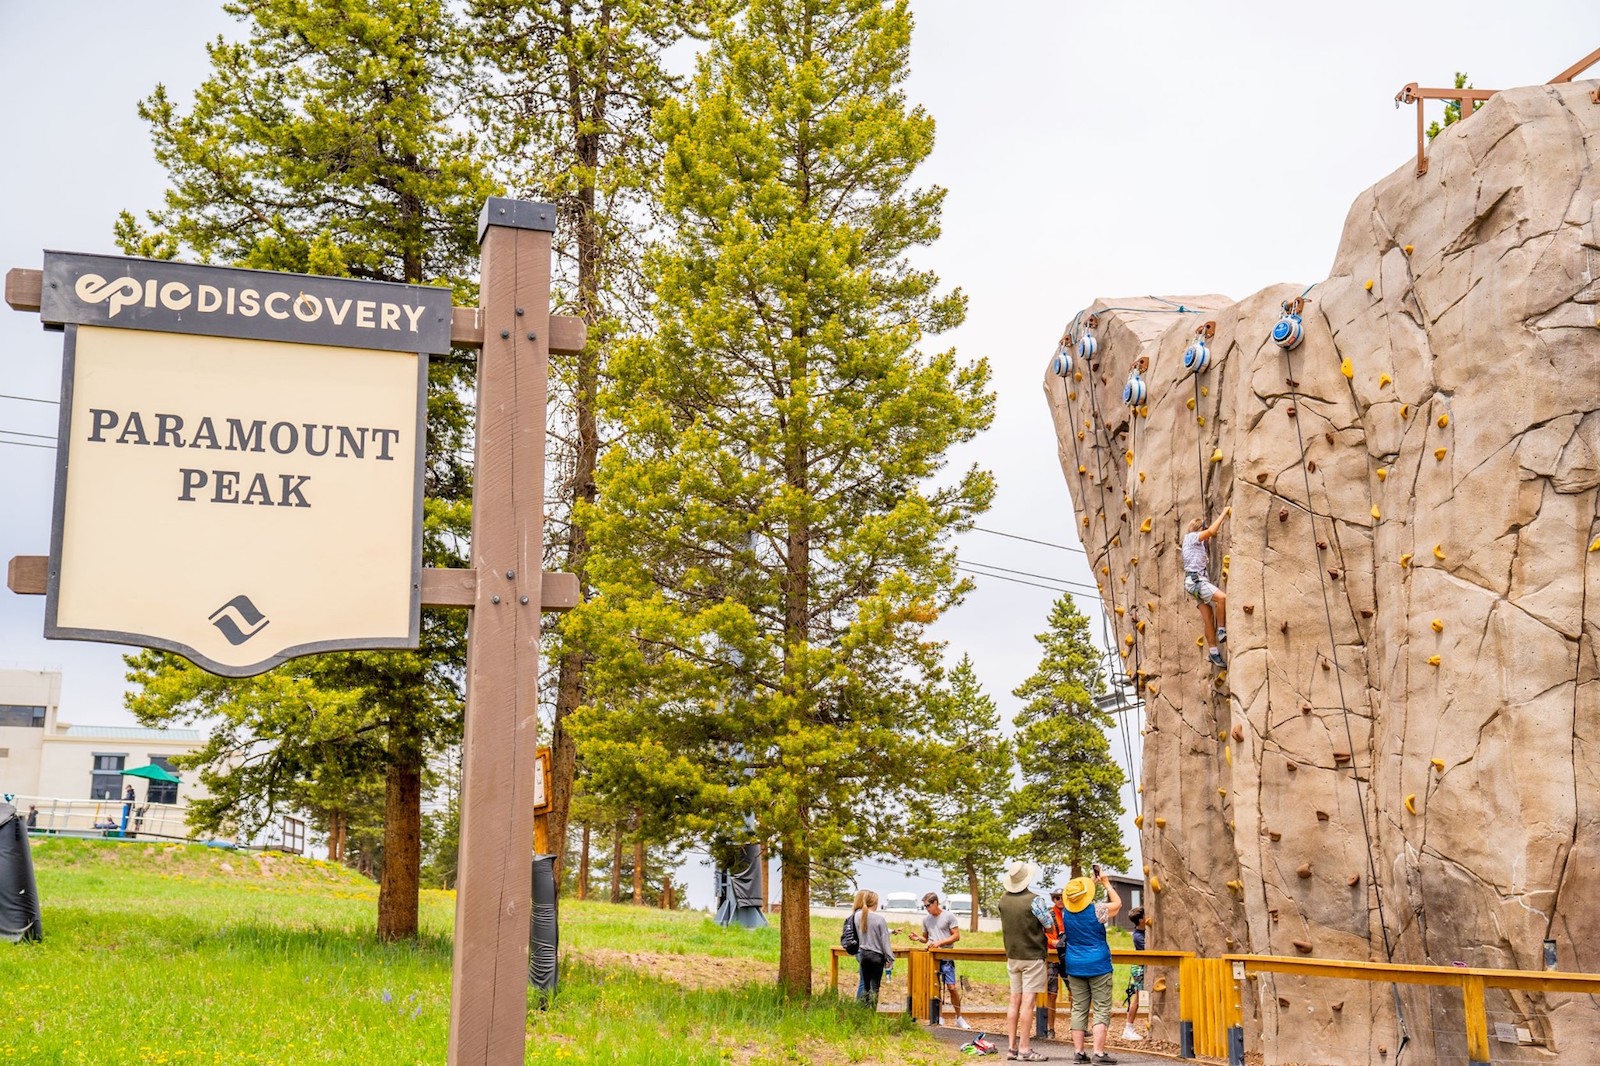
(583, 866)
(972, 890)
(616, 863)
(569, 684)
(402, 852)
(638, 872)
(794, 922)
(766, 880)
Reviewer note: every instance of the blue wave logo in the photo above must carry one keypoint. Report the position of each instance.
(229, 616)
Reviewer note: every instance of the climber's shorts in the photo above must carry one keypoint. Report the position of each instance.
(1199, 586)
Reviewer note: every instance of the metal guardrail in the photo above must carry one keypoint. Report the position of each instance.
(103, 817)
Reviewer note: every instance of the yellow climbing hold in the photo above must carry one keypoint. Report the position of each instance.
(1080, 434)
(1408, 249)
(1222, 792)
(1133, 560)
(1237, 886)
(1161, 823)
(1383, 472)
(1190, 403)
(1433, 660)
(1384, 379)
(1438, 764)
(1438, 551)
(1369, 285)
(1141, 475)
(1594, 545)
(1438, 625)
(1144, 527)
(1106, 570)
(1226, 559)
(1139, 625)
(1438, 453)
(1205, 390)
(1347, 368)
(1405, 410)
(1227, 755)
(1151, 687)
(1127, 501)
(1119, 611)
(1216, 455)
(1078, 376)
(1074, 396)
(1377, 513)
(1411, 802)
(1144, 410)
(1083, 470)
(1138, 821)
(1155, 883)
(1200, 642)
(1201, 419)
(1444, 420)
(1405, 560)
(1128, 640)
(1128, 455)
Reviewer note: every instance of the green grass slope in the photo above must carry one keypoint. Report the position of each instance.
(180, 954)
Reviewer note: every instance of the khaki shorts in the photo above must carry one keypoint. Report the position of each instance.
(1027, 975)
(1087, 990)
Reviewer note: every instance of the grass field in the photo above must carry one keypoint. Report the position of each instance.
(179, 954)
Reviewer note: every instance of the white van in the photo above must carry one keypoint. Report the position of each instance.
(899, 903)
(959, 903)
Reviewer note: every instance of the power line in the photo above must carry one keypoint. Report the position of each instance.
(1019, 581)
(27, 444)
(1030, 540)
(1025, 573)
(29, 399)
(22, 433)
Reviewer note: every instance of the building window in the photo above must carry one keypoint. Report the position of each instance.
(106, 783)
(162, 791)
(19, 716)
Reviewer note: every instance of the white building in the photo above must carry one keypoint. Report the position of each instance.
(73, 773)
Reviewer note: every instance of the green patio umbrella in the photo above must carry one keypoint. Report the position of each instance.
(152, 773)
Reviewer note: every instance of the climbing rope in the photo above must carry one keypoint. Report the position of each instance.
(1338, 674)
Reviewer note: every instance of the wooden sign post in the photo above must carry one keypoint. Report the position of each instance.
(489, 971)
(506, 590)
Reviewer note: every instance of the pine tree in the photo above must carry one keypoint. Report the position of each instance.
(768, 540)
(961, 823)
(327, 143)
(1071, 797)
(575, 84)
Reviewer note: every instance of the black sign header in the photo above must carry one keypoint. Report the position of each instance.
(173, 297)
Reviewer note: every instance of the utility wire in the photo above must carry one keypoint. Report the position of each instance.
(27, 444)
(22, 433)
(1031, 540)
(29, 399)
(1019, 581)
(1025, 573)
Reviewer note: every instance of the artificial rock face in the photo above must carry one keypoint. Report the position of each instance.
(1402, 759)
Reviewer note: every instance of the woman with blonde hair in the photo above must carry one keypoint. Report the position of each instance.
(876, 953)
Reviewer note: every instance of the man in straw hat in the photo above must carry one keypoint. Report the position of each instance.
(1024, 918)
(1086, 958)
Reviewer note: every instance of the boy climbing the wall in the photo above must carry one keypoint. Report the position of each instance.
(1197, 583)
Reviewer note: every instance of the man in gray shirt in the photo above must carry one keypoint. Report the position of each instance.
(940, 930)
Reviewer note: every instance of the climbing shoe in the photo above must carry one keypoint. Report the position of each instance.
(1222, 634)
(1215, 658)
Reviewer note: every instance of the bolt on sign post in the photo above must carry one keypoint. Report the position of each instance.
(240, 481)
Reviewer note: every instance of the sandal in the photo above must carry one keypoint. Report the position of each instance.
(1032, 1056)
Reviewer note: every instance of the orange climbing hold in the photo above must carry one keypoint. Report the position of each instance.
(1438, 453)
(1444, 420)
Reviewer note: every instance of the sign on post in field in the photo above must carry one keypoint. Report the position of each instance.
(240, 459)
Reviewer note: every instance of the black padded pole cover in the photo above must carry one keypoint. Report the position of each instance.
(20, 916)
(542, 930)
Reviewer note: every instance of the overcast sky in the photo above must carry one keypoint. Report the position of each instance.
(1089, 149)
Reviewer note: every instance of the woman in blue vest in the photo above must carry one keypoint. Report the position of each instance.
(1086, 958)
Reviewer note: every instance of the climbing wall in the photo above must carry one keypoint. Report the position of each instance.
(1402, 758)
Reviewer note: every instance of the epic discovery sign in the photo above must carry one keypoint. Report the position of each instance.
(240, 459)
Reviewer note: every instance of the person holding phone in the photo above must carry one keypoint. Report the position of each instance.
(1086, 958)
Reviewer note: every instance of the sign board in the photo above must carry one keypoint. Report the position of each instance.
(239, 473)
(541, 782)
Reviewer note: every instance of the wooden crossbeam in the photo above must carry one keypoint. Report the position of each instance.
(29, 575)
(568, 334)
